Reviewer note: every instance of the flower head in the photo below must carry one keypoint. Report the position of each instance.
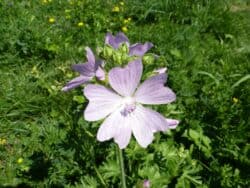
(235, 100)
(80, 24)
(20, 160)
(52, 20)
(146, 184)
(124, 29)
(122, 106)
(116, 9)
(87, 71)
(136, 49)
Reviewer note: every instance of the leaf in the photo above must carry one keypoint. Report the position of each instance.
(209, 75)
(200, 140)
(243, 79)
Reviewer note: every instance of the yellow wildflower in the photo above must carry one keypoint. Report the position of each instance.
(121, 3)
(125, 21)
(80, 24)
(2, 141)
(116, 9)
(124, 29)
(52, 20)
(235, 100)
(20, 160)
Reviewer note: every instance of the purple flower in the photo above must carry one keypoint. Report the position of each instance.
(87, 71)
(123, 105)
(146, 184)
(137, 49)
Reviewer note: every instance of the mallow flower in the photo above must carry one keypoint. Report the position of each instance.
(92, 68)
(136, 49)
(122, 106)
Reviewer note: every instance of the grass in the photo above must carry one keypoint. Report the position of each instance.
(44, 140)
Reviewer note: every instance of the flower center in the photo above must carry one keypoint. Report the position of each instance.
(128, 106)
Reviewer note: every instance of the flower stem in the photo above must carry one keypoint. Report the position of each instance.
(123, 178)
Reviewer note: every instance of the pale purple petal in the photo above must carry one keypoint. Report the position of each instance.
(90, 56)
(100, 74)
(172, 123)
(155, 121)
(116, 41)
(76, 82)
(140, 124)
(115, 126)
(85, 69)
(122, 137)
(125, 80)
(161, 70)
(146, 184)
(102, 102)
(152, 91)
(139, 49)
(88, 68)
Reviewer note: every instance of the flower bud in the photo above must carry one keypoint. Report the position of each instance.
(107, 51)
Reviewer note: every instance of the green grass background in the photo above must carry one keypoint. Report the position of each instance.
(44, 140)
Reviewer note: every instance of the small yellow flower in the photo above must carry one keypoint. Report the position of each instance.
(121, 3)
(52, 20)
(20, 160)
(116, 9)
(124, 29)
(235, 100)
(2, 141)
(80, 24)
(125, 21)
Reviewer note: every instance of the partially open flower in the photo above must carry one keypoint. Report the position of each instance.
(123, 105)
(87, 71)
(136, 49)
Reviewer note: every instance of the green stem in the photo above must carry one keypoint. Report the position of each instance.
(123, 178)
